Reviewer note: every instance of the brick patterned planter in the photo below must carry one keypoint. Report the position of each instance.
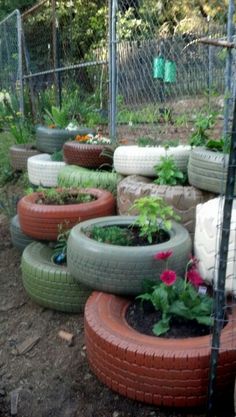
(169, 372)
(183, 199)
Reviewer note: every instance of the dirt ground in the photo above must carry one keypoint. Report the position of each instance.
(53, 379)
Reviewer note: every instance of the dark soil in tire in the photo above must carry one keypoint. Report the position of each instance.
(152, 369)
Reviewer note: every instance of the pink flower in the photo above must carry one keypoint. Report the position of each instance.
(194, 277)
(168, 277)
(162, 256)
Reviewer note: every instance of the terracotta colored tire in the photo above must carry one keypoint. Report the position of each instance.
(121, 269)
(183, 199)
(207, 170)
(85, 155)
(18, 238)
(74, 176)
(48, 284)
(19, 155)
(136, 160)
(43, 171)
(168, 372)
(209, 217)
(51, 140)
(42, 221)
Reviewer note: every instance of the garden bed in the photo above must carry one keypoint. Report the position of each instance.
(54, 379)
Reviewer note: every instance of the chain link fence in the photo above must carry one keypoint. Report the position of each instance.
(11, 60)
(163, 68)
(65, 58)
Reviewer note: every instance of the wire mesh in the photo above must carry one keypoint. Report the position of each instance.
(9, 57)
(65, 50)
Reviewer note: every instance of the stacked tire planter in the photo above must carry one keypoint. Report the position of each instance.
(137, 160)
(163, 372)
(19, 155)
(47, 283)
(184, 199)
(122, 269)
(42, 171)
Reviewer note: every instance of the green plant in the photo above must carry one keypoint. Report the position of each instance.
(144, 141)
(57, 156)
(202, 124)
(178, 297)
(58, 117)
(168, 172)
(153, 216)
(64, 196)
(222, 145)
(114, 235)
(8, 203)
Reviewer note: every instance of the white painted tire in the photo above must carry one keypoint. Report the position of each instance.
(129, 160)
(43, 171)
(209, 217)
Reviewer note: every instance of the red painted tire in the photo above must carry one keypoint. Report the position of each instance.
(85, 155)
(41, 221)
(154, 370)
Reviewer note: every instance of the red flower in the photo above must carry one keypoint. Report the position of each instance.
(168, 277)
(194, 277)
(162, 256)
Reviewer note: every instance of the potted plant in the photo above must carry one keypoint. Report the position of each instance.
(171, 184)
(208, 161)
(169, 366)
(88, 151)
(22, 132)
(59, 128)
(47, 280)
(97, 257)
(41, 212)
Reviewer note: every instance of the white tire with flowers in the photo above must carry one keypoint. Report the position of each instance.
(122, 269)
(137, 160)
(43, 171)
(209, 217)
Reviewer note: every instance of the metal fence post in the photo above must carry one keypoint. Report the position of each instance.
(20, 63)
(112, 69)
(220, 298)
(228, 68)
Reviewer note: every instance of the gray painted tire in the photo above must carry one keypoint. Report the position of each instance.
(137, 160)
(74, 176)
(183, 199)
(207, 170)
(48, 284)
(19, 154)
(43, 171)
(19, 239)
(121, 269)
(51, 140)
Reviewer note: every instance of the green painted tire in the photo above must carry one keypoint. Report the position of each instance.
(75, 176)
(19, 239)
(48, 284)
(207, 170)
(122, 269)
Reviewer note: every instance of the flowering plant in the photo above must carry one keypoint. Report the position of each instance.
(93, 140)
(183, 297)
